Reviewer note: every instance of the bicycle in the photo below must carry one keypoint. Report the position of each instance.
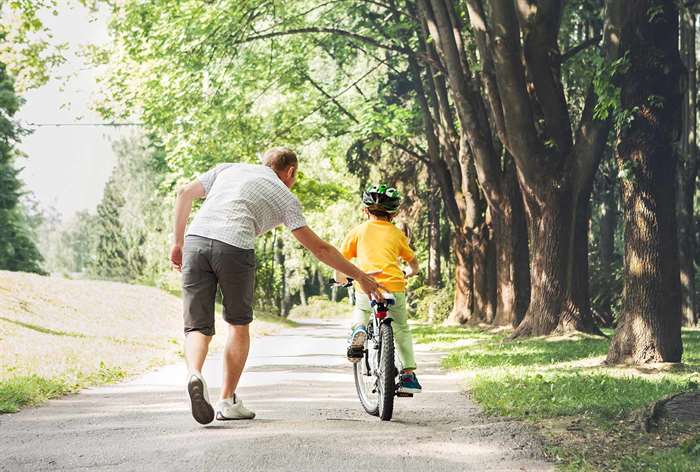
(376, 375)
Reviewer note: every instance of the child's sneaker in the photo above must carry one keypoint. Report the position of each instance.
(357, 344)
(409, 384)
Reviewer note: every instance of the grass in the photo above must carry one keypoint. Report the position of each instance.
(684, 458)
(571, 392)
(18, 392)
(29, 390)
(58, 336)
(587, 412)
(41, 329)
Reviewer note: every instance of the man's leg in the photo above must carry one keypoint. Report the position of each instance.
(196, 348)
(235, 356)
(235, 269)
(199, 291)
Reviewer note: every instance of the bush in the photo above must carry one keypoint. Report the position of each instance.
(321, 307)
(431, 304)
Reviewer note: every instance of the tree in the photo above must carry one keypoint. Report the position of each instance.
(18, 250)
(133, 219)
(24, 42)
(687, 170)
(523, 90)
(649, 329)
(434, 266)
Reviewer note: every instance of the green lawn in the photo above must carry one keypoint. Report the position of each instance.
(588, 412)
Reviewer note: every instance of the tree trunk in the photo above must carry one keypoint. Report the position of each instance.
(464, 294)
(321, 283)
(687, 174)
(650, 323)
(555, 305)
(434, 266)
(302, 295)
(579, 271)
(606, 249)
(283, 296)
(480, 279)
(491, 275)
(512, 256)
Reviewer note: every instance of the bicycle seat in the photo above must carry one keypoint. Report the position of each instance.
(389, 300)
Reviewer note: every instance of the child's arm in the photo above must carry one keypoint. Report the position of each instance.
(415, 268)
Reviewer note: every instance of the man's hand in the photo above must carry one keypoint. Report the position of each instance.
(176, 257)
(371, 287)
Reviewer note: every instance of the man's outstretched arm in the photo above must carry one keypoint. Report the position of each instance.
(329, 255)
(183, 206)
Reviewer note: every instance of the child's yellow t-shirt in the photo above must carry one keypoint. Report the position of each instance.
(378, 245)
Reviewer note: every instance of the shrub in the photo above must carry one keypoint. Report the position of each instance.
(431, 304)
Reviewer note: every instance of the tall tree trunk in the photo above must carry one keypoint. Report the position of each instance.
(554, 304)
(464, 283)
(492, 279)
(479, 246)
(687, 173)
(434, 266)
(650, 323)
(512, 255)
(283, 296)
(302, 295)
(579, 270)
(321, 283)
(606, 248)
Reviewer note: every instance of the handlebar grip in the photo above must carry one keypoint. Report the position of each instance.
(332, 281)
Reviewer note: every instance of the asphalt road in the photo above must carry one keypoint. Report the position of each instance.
(308, 419)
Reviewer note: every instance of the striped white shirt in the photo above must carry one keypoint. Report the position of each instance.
(242, 202)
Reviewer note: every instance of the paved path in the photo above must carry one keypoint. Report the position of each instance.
(308, 419)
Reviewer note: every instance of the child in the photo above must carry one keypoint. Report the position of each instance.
(378, 245)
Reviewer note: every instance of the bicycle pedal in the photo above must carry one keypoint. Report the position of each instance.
(355, 352)
(402, 394)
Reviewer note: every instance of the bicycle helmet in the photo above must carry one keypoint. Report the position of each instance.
(382, 198)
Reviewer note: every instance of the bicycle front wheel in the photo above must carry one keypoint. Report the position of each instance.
(387, 372)
(366, 378)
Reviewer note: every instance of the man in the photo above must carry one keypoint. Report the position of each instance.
(242, 201)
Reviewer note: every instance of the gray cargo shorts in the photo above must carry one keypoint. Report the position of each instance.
(206, 265)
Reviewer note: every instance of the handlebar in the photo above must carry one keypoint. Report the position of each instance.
(335, 282)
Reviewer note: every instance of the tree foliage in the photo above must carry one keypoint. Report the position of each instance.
(18, 250)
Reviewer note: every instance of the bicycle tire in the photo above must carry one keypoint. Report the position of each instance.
(366, 397)
(387, 372)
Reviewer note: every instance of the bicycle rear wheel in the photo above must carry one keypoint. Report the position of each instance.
(387, 372)
(366, 379)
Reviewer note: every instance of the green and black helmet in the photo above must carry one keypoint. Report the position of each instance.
(382, 198)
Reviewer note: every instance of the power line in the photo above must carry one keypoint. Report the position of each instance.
(58, 125)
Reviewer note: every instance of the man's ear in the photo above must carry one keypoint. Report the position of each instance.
(291, 171)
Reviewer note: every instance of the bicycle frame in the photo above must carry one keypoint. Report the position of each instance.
(381, 313)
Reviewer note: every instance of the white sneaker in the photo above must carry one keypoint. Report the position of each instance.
(233, 409)
(198, 394)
